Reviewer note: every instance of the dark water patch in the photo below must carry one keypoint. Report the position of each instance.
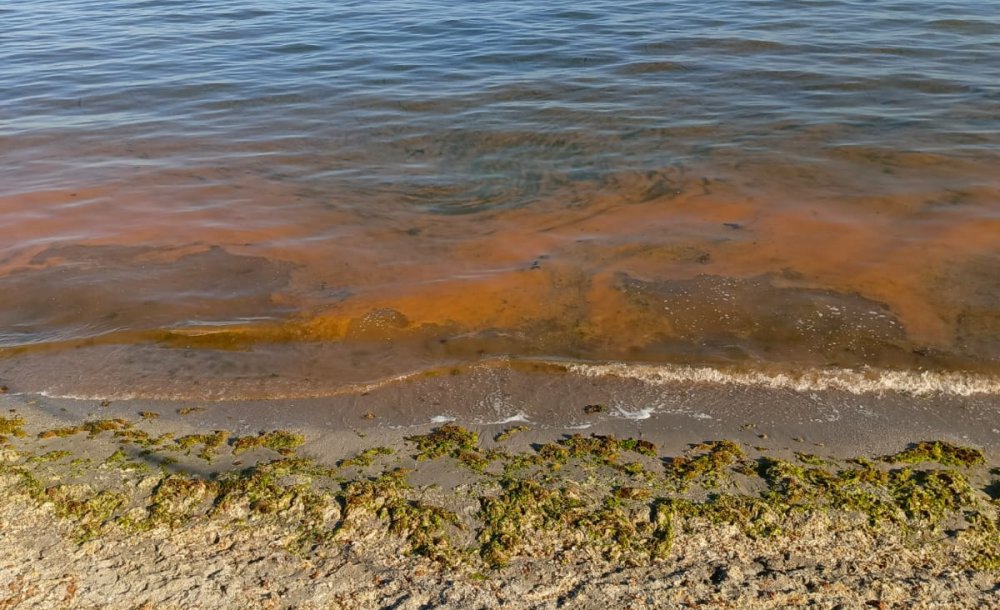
(652, 67)
(85, 291)
(760, 318)
(966, 26)
(295, 48)
(247, 14)
(972, 291)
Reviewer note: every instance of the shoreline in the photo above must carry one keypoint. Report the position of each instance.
(660, 512)
(670, 411)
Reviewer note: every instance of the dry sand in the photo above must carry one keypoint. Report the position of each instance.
(828, 564)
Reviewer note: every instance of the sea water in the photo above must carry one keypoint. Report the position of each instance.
(247, 198)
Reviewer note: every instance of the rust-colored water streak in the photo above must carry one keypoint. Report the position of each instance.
(713, 269)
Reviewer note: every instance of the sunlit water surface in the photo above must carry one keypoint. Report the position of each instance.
(270, 198)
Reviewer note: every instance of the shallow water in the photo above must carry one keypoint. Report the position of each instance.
(214, 195)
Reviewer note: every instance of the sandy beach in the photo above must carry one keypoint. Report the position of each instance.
(145, 504)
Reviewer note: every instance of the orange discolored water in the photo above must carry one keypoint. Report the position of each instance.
(272, 200)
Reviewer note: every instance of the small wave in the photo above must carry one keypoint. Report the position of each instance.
(227, 393)
(853, 381)
(869, 381)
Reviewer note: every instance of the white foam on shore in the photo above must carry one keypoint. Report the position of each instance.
(869, 381)
(636, 415)
(520, 416)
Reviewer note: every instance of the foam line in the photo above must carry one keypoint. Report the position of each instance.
(867, 381)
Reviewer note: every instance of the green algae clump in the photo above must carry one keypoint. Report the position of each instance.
(13, 426)
(280, 441)
(91, 514)
(605, 448)
(454, 441)
(365, 458)
(709, 468)
(448, 440)
(941, 452)
(509, 432)
(424, 526)
(176, 499)
(92, 428)
(522, 510)
(210, 443)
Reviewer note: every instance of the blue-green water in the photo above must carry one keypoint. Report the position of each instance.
(460, 105)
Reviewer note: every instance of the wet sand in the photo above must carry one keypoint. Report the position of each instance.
(849, 412)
